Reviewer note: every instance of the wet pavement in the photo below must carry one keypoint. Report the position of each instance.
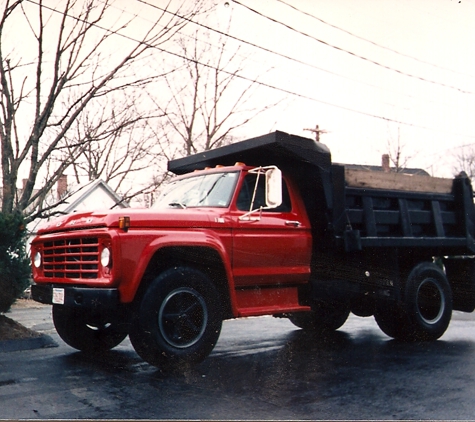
(261, 368)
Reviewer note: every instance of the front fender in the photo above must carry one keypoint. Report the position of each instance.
(138, 248)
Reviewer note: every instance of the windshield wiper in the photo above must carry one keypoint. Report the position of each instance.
(177, 204)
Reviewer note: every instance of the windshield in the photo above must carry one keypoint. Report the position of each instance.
(205, 190)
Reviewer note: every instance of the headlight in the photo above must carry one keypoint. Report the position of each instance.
(105, 257)
(37, 260)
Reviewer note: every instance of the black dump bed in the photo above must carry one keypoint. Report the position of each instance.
(357, 212)
(404, 211)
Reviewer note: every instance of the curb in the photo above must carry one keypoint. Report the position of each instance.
(41, 342)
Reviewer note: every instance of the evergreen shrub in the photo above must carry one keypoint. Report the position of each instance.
(15, 270)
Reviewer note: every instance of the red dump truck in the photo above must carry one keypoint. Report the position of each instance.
(267, 226)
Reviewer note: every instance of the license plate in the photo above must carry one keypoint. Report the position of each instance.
(58, 296)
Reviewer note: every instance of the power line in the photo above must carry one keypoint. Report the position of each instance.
(387, 119)
(239, 76)
(343, 50)
(268, 50)
(370, 41)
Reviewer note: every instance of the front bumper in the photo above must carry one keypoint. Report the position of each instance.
(83, 297)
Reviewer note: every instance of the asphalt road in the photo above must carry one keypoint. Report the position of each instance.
(261, 368)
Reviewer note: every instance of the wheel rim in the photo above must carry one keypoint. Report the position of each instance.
(430, 301)
(182, 317)
(99, 327)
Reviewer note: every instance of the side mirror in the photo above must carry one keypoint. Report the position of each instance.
(273, 187)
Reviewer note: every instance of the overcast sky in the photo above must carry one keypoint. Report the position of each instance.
(366, 71)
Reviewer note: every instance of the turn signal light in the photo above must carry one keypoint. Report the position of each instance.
(124, 223)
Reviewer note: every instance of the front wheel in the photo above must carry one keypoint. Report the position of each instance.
(88, 330)
(325, 317)
(178, 320)
(391, 319)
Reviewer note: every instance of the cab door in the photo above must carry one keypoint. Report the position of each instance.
(273, 248)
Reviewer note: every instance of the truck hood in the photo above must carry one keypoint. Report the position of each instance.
(139, 218)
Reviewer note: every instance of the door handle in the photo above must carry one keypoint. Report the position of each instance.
(293, 223)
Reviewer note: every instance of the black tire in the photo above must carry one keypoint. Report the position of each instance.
(178, 321)
(428, 303)
(363, 307)
(391, 320)
(325, 317)
(87, 330)
(426, 309)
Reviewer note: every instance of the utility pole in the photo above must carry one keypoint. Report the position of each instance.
(317, 132)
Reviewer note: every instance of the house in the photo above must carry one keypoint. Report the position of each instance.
(91, 196)
(385, 167)
(94, 195)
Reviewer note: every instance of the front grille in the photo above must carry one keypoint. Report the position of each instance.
(71, 258)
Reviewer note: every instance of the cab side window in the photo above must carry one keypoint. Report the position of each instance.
(247, 189)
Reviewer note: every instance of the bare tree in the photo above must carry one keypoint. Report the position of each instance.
(48, 92)
(119, 148)
(209, 98)
(396, 153)
(465, 162)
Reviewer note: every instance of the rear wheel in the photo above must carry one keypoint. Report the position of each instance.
(325, 317)
(428, 303)
(88, 330)
(178, 321)
(426, 310)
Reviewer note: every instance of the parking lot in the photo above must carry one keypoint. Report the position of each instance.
(261, 368)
